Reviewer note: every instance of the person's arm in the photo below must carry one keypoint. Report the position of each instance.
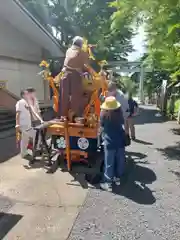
(35, 114)
(17, 121)
(18, 112)
(38, 109)
(17, 127)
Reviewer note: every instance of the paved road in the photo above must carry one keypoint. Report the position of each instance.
(34, 204)
(147, 206)
(40, 206)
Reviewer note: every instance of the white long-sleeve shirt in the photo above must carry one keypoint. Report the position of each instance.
(119, 95)
(123, 100)
(24, 113)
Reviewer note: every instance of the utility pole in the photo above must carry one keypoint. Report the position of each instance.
(141, 85)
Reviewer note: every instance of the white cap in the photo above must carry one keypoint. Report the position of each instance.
(78, 41)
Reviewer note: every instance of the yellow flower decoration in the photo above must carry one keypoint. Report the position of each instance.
(85, 45)
(103, 62)
(44, 64)
(90, 54)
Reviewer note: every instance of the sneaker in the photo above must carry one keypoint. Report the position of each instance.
(106, 187)
(117, 181)
(133, 138)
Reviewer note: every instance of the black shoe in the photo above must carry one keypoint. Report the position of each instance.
(133, 138)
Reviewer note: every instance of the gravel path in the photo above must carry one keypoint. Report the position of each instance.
(147, 206)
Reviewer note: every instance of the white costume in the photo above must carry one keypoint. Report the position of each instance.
(25, 125)
(35, 107)
(123, 100)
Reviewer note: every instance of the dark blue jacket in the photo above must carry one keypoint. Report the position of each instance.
(113, 132)
(132, 105)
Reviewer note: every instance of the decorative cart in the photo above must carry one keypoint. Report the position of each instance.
(76, 141)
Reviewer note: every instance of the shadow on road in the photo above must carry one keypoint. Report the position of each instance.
(137, 157)
(7, 222)
(134, 185)
(176, 131)
(134, 182)
(142, 142)
(177, 174)
(8, 148)
(147, 116)
(171, 152)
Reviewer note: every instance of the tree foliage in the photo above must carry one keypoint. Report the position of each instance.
(127, 84)
(162, 25)
(88, 18)
(93, 19)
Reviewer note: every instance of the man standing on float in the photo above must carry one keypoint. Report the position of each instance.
(71, 86)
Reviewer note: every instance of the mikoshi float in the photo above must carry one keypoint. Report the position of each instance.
(78, 140)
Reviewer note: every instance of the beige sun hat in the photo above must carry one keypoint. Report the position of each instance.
(110, 103)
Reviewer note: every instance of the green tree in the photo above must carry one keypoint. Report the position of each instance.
(88, 18)
(162, 26)
(127, 84)
(93, 20)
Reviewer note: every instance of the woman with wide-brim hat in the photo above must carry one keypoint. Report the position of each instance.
(111, 121)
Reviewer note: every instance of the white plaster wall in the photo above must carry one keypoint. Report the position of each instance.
(16, 44)
(16, 70)
(20, 75)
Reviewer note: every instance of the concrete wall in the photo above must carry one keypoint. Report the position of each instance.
(20, 75)
(17, 45)
(19, 58)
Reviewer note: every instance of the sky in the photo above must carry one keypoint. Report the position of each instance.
(138, 42)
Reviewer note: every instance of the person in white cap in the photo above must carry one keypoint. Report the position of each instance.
(24, 123)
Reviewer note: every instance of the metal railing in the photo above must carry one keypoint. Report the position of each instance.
(42, 12)
(39, 11)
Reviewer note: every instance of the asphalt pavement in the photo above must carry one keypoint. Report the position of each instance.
(147, 205)
(37, 205)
